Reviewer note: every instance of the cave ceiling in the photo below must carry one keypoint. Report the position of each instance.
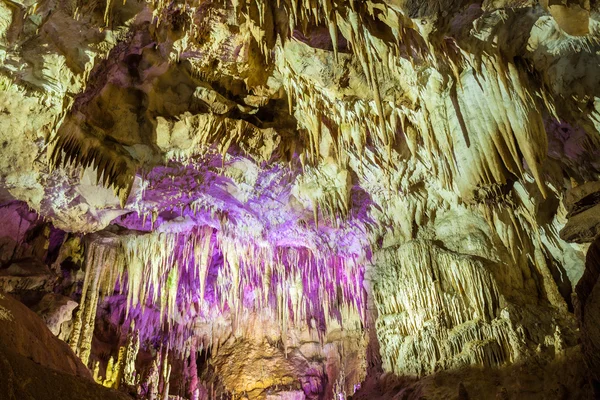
(223, 158)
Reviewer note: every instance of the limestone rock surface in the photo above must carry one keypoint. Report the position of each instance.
(302, 199)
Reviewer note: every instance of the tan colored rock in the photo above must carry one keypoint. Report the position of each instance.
(26, 274)
(572, 16)
(56, 311)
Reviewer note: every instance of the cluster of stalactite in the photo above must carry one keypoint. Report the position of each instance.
(174, 281)
(428, 293)
(422, 123)
(213, 130)
(72, 147)
(441, 126)
(457, 95)
(444, 308)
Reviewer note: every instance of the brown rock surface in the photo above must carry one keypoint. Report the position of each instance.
(588, 313)
(26, 334)
(26, 274)
(36, 365)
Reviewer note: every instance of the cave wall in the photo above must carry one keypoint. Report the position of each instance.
(332, 190)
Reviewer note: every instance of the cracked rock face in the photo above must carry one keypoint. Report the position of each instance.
(306, 199)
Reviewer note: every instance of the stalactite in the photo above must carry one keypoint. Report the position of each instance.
(73, 146)
(162, 272)
(406, 126)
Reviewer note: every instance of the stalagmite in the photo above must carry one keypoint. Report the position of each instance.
(131, 352)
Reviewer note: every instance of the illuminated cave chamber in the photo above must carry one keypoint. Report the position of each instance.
(224, 199)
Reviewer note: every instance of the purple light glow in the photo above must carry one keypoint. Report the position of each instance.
(263, 257)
